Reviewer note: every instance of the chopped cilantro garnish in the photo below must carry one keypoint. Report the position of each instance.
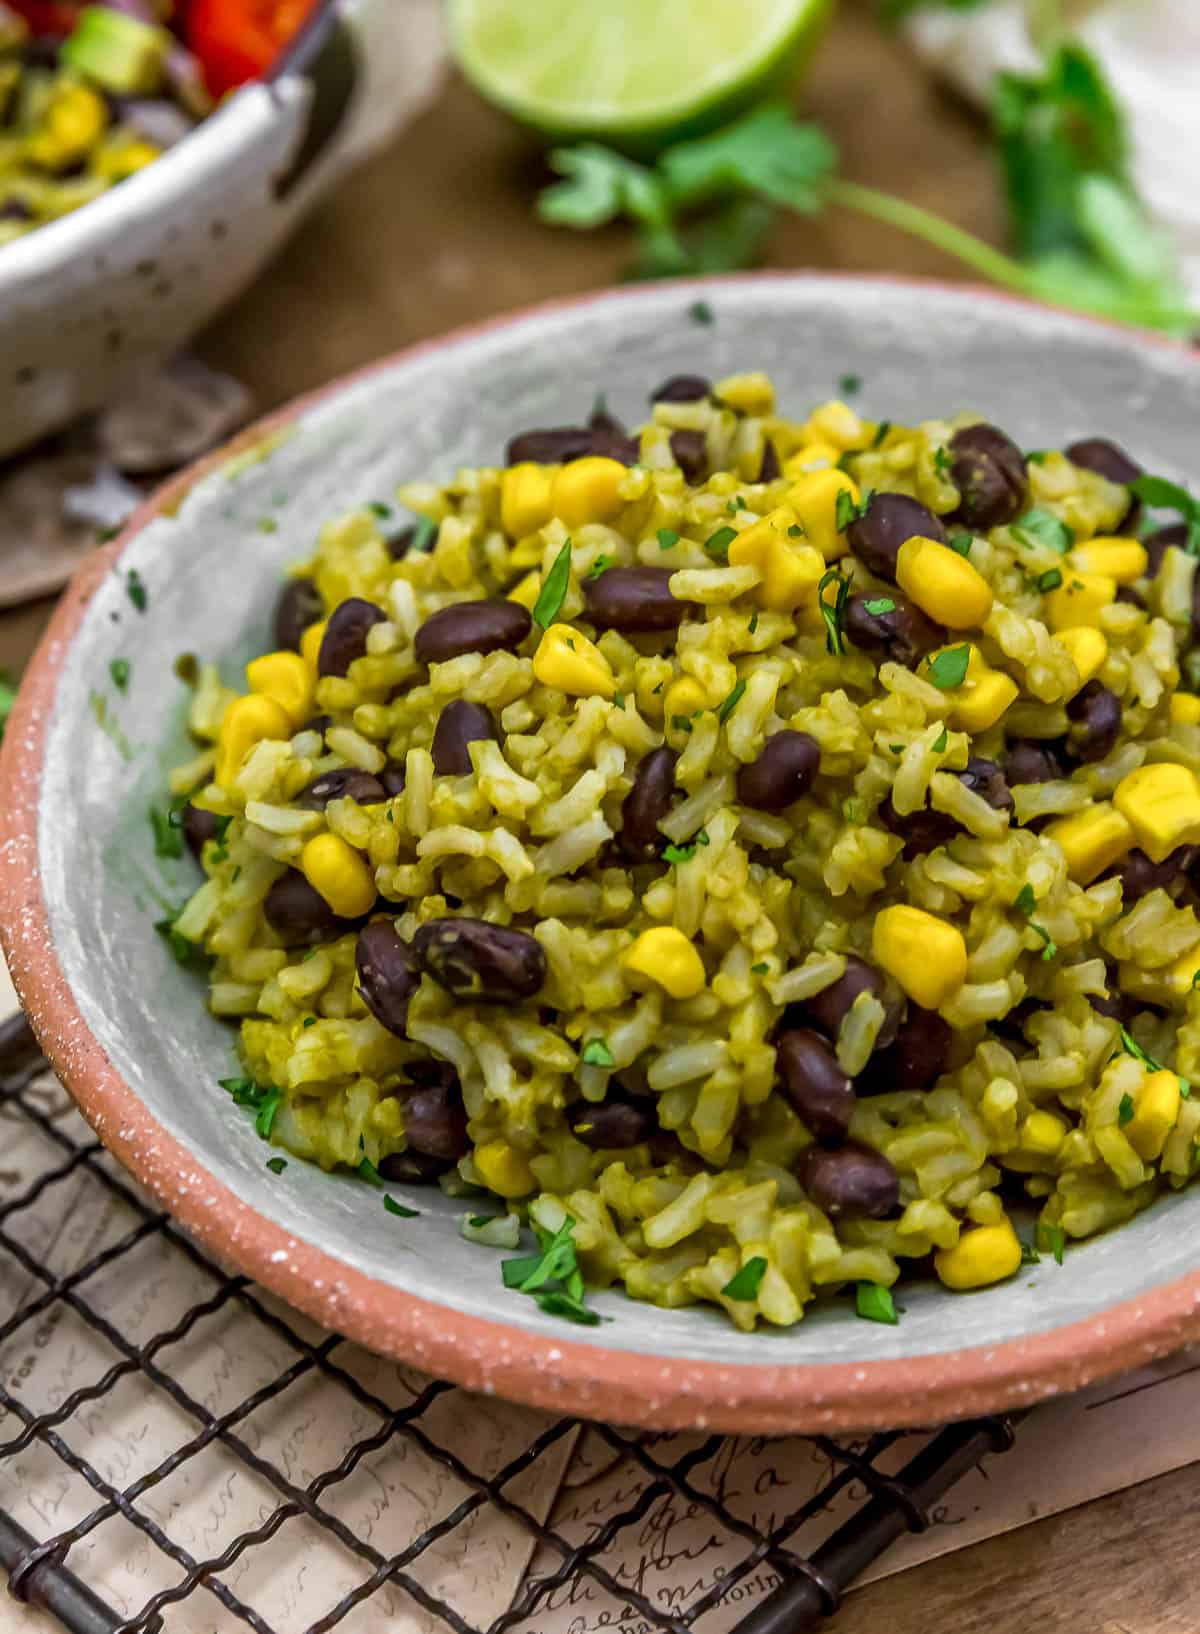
(961, 543)
(366, 1170)
(753, 625)
(478, 1221)
(553, 1277)
(1131, 1047)
(797, 530)
(1125, 1110)
(398, 1209)
(717, 544)
(277, 1164)
(678, 853)
(877, 606)
(760, 969)
(554, 591)
(854, 810)
(601, 565)
(1029, 1254)
(1185, 1089)
(119, 670)
(263, 1102)
(847, 511)
(424, 534)
(1051, 946)
(875, 1304)
(681, 723)
(619, 699)
(1042, 527)
(835, 642)
(1037, 456)
(949, 668)
(896, 748)
(1160, 494)
(268, 524)
(939, 743)
(730, 703)
(596, 1053)
(743, 1284)
(850, 384)
(881, 433)
(309, 1021)
(379, 509)
(1051, 1240)
(1025, 901)
(168, 840)
(941, 460)
(667, 538)
(266, 1113)
(1049, 581)
(701, 312)
(136, 590)
(185, 952)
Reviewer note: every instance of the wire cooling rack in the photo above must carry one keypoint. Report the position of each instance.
(217, 1581)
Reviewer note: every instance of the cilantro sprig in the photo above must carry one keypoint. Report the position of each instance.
(1162, 495)
(554, 591)
(552, 1277)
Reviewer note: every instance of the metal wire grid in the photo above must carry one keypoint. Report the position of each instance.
(809, 1589)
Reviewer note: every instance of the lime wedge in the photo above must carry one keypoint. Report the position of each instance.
(631, 72)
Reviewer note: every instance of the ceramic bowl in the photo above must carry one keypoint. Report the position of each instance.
(127, 1028)
(133, 275)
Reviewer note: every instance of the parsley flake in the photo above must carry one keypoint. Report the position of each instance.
(877, 606)
(136, 590)
(949, 668)
(850, 384)
(119, 670)
(847, 511)
(554, 591)
(552, 1277)
(701, 312)
(835, 641)
(1125, 1110)
(881, 433)
(744, 1283)
(717, 544)
(619, 699)
(1131, 1047)
(760, 969)
(424, 534)
(797, 530)
(730, 703)
(1025, 901)
(601, 565)
(667, 538)
(168, 838)
(596, 1053)
(366, 1170)
(941, 460)
(753, 625)
(1049, 581)
(875, 1304)
(379, 509)
(1051, 946)
(678, 853)
(398, 1209)
(961, 543)
(1051, 1240)
(1029, 1254)
(1160, 494)
(939, 743)
(1042, 527)
(681, 723)
(277, 1164)
(185, 952)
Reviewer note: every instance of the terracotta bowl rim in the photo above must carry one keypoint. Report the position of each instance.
(555, 1372)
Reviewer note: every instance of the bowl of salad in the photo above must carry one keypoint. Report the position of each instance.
(155, 153)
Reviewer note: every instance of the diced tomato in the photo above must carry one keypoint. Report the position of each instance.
(54, 18)
(238, 40)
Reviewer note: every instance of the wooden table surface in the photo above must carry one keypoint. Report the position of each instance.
(439, 231)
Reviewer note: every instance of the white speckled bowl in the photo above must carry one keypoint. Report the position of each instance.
(127, 1028)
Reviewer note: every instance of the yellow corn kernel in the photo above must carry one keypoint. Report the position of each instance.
(117, 160)
(814, 498)
(1092, 840)
(926, 955)
(682, 699)
(1088, 648)
(569, 661)
(983, 696)
(791, 569)
(837, 423)
(1185, 709)
(1080, 599)
(665, 956)
(72, 122)
(247, 721)
(750, 393)
(943, 583)
(1042, 1133)
(503, 1169)
(587, 490)
(310, 644)
(814, 456)
(337, 872)
(525, 503)
(1162, 802)
(1124, 560)
(753, 545)
(1155, 1114)
(285, 677)
(980, 1257)
(527, 590)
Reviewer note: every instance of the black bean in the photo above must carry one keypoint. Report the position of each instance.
(1139, 876)
(460, 724)
(392, 777)
(615, 445)
(298, 914)
(472, 626)
(412, 1168)
(890, 519)
(477, 960)
(991, 476)
(345, 637)
(613, 1124)
(904, 633)
(601, 420)
(1156, 545)
(1116, 1006)
(1011, 1025)
(827, 1009)
(1033, 760)
(916, 1059)
(690, 451)
(1095, 714)
(854, 1182)
(635, 600)
(298, 607)
(922, 831)
(198, 828)
(435, 1123)
(783, 772)
(819, 1091)
(559, 445)
(387, 975)
(682, 388)
(769, 469)
(318, 723)
(1105, 459)
(399, 544)
(347, 783)
(648, 802)
(984, 777)
(429, 1073)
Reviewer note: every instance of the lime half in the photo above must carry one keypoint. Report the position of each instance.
(631, 72)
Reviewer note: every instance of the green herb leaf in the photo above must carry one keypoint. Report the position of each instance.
(846, 510)
(1185, 1089)
(1042, 527)
(881, 433)
(168, 839)
(949, 668)
(398, 1209)
(1051, 947)
(425, 534)
(1131, 1047)
(678, 853)
(717, 544)
(940, 742)
(558, 1303)
(1051, 1240)
(854, 810)
(600, 186)
(1125, 1110)
(619, 700)
(766, 152)
(753, 624)
(1025, 901)
(554, 591)
(119, 670)
(850, 384)
(941, 461)
(277, 1164)
(835, 642)
(266, 1113)
(700, 312)
(730, 703)
(744, 1284)
(875, 1304)
(1029, 1254)
(682, 723)
(1049, 581)
(877, 606)
(379, 509)
(136, 590)
(667, 538)
(184, 951)
(596, 1053)
(552, 1277)
(601, 565)
(961, 542)
(366, 1170)
(760, 969)
(797, 530)
(1162, 495)
(8, 697)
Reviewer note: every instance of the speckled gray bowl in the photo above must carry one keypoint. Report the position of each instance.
(127, 1028)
